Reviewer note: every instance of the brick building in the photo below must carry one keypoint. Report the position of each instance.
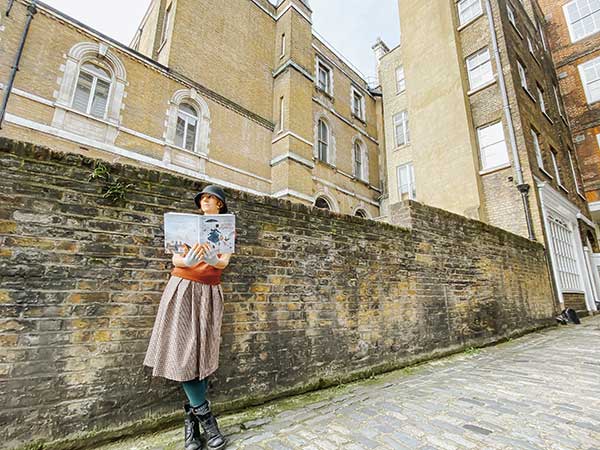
(573, 33)
(474, 124)
(253, 100)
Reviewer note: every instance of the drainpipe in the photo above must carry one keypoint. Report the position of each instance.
(521, 185)
(31, 11)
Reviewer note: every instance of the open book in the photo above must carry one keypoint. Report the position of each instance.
(218, 229)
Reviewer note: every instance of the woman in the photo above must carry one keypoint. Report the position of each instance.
(185, 340)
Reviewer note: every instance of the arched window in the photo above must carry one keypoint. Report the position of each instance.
(323, 140)
(322, 203)
(187, 127)
(188, 122)
(358, 160)
(361, 213)
(92, 90)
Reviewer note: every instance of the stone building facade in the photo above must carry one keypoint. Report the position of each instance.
(252, 100)
(475, 124)
(573, 33)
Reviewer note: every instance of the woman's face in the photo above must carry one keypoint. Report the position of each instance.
(210, 204)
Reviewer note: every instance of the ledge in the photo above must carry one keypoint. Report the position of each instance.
(483, 86)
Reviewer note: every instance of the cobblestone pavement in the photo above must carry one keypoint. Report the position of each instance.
(541, 391)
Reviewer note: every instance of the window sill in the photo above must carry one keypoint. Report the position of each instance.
(401, 92)
(482, 87)
(548, 117)
(359, 118)
(401, 147)
(361, 181)
(562, 116)
(494, 169)
(185, 150)
(514, 25)
(86, 115)
(546, 173)
(325, 163)
(582, 196)
(535, 58)
(469, 22)
(325, 93)
(563, 188)
(529, 94)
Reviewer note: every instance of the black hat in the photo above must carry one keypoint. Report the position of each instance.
(217, 192)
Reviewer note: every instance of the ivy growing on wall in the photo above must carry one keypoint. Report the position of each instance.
(114, 189)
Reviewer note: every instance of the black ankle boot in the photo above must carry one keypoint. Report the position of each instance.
(193, 438)
(215, 440)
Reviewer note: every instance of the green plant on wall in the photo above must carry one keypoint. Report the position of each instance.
(114, 189)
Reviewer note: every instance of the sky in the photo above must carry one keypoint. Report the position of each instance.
(350, 26)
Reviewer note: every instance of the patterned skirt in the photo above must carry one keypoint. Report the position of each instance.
(187, 332)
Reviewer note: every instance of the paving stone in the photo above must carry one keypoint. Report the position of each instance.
(529, 394)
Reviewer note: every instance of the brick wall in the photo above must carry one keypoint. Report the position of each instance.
(312, 297)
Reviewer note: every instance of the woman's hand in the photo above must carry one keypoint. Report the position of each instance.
(193, 256)
(210, 254)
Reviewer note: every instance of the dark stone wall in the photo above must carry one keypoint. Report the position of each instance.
(312, 297)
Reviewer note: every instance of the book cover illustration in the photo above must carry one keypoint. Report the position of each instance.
(181, 228)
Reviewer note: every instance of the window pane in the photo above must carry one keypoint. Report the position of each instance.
(190, 136)
(480, 69)
(96, 71)
(188, 110)
(179, 132)
(492, 146)
(468, 9)
(82, 92)
(100, 99)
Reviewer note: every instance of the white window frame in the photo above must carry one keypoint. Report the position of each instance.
(571, 22)
(501, 150)
(95, 78)
(323, 141)
(564, 250)
(530, 45)
(401, 119)
(537, 148)
(541, 100)
(511, 14)
(582, 67)
(360, 112)
(484, 65)
(408, 187)
(166, 24)
(555, 165)
(363, 173)
(522, 75)
(188, 120)
(321, 66)
(574, 172)
(557, 98)
(400, 80)
(477, 11)
(542, 35)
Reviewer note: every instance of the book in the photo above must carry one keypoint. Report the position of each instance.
(188, 229)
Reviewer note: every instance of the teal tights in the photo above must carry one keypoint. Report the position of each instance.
(195, 391)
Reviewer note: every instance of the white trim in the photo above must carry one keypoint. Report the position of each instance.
(594, 206)
(483, 86)
(291, 133)
(587, 221)
(29, 96)
(320, 61)
(293, 157)
(494, 169)
(292, 193)
(556, 204)
(570, 27)
(128, 153)
(584, 81)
